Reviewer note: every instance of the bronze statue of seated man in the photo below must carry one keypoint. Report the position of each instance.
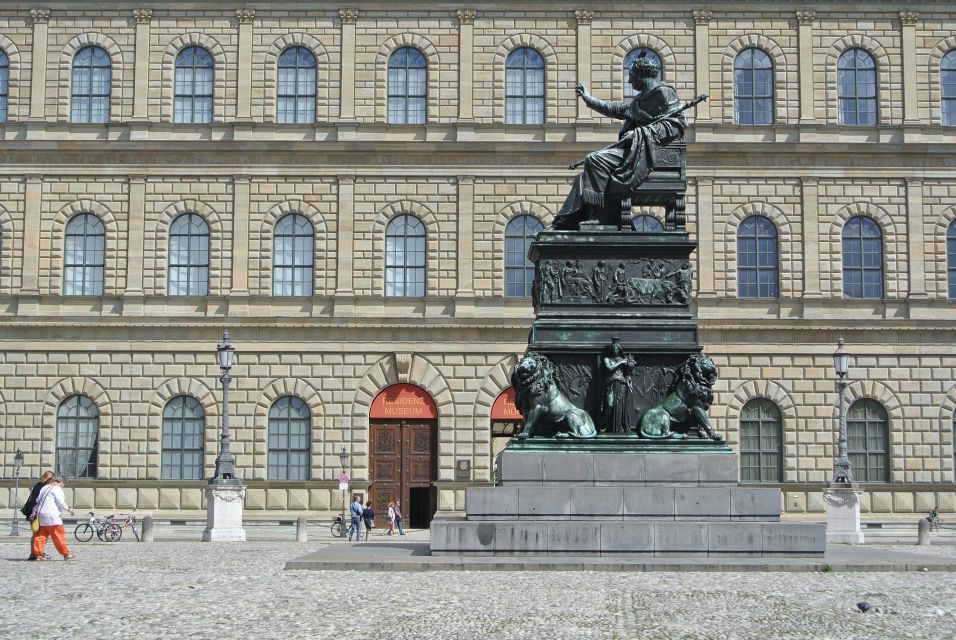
(652, 119)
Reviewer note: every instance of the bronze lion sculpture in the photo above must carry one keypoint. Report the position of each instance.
(546, 411)
(685, 407)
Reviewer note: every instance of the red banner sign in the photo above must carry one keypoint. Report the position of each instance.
(403, 402)
(504, 408)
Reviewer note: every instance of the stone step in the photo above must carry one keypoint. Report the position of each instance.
(622, 503)
(661, 539)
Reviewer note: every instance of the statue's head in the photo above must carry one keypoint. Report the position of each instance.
(615, 348)
(644, 71)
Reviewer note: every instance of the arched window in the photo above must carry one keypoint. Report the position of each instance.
(90, 97)
(293, 254)
(761, 442)
(753, 87)
(629, 60)
(184, 425)
(290, 433)
(4, 84)
(407, 86)
(405, 250)
(83, 256)
(188, 256)
(77, 433)
(194, 86)
(519, 271)
(757, 258)
(646, 224)
(862, 259)
(856, 87)
(951, 259)
(295, 91)
(524, 87)
(868, 441)
(947, 81)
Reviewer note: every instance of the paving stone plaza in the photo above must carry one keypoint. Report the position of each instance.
(188, 589)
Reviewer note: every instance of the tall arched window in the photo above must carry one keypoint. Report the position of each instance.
(862, 259)
(188, 256)
(519, 271)
(757, 258)
(951, 259)
(77, 433)
(524, 87)
(4, 84)
(646, 224)
(184, 424)
(761, 442)
(629, 60)
(290, 434)
(407, 86)
(293, 256)
(947, 82)
(856, 87)
(753, 87)
(295, 90)
(405, 252)
(194, 86)
(868, 441)
(90, 93)
(84, 256)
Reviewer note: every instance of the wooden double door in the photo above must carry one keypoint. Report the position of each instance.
(404, 467)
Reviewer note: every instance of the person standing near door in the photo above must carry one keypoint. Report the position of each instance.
(391, 520)
(356, 511)
(398, 517)
(368, 516)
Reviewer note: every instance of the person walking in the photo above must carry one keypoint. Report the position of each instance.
(391, 520)
(398, 517)
(31, 502)
(356, 512)
(50, 504)
(368, 516)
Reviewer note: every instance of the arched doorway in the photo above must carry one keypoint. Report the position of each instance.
(403, 420)
(505, 422)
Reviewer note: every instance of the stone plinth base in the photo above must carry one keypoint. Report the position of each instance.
(843, 514)
(606, 502)
(224, 513)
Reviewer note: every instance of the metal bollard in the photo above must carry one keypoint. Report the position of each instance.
(147, 529)
(922, 538)
(301, 535)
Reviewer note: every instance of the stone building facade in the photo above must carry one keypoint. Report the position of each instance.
(464, 174)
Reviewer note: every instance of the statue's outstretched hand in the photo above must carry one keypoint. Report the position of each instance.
(581, 90)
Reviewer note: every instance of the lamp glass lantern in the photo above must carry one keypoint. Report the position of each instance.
(344, 459)
(226, 352)
(17, 462)
(841, 359)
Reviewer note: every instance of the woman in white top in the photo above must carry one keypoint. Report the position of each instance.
(50, 504)
(391, 519)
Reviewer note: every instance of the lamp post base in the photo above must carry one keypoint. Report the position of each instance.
(843, 513)
(224, 502)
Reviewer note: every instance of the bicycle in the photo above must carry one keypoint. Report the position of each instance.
(337, 529)
(128, 523)
(104, 528)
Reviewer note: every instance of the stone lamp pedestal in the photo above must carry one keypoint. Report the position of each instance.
(843, 513)
(224, 500)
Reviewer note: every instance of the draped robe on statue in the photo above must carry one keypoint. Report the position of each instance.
(611, 173)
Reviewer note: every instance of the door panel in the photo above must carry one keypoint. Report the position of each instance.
(404, 466)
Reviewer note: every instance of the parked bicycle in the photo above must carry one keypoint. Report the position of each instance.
(934, 520)
(339, 529)
(104, 528)
(128, 523)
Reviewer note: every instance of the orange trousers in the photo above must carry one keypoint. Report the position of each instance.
(59, 540)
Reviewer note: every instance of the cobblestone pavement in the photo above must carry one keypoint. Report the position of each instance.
(195, 590)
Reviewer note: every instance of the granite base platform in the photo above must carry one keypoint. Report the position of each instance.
(663, 504)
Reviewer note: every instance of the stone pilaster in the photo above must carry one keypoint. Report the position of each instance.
(240, 236)
(809, 199)
(702, 62)
(805, 21)
(465, 295)
(41, 19)
(32, 212)
(245, 18)
(137, 231)
(908, 40)
(705, 236)
(583, 49)
(466, 65)
(345, 241)
(915, 238)
(347, 89)
(142, 18)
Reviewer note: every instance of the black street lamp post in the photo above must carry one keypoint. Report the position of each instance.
(17, 465)
(344, 459)
(225, 461)
(842, 472)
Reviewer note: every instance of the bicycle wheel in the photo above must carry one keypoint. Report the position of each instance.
(337, 529)
(112, 532)
(83, 532)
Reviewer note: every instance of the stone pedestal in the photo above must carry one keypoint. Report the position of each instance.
(682, 503)
(843, 514)
(224, 513)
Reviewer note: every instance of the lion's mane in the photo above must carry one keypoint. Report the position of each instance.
(691, 373)
(539, 382)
